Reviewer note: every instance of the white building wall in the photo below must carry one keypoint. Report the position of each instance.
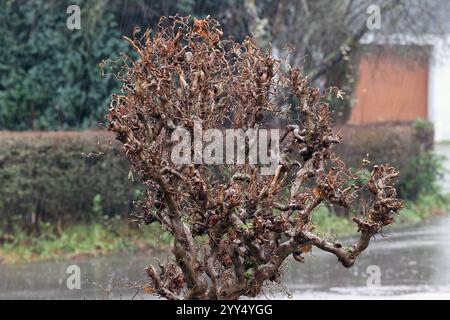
(439, 89)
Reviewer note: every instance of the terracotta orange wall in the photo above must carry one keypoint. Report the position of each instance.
(389, 89)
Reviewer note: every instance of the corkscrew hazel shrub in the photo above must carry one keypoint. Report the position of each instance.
(233, 228)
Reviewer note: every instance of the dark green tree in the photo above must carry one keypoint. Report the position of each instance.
(49, 75)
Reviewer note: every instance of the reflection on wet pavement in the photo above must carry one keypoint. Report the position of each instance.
(414, 262)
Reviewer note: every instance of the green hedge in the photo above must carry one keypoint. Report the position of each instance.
(53, 177)
(61, 177)
(406, 146)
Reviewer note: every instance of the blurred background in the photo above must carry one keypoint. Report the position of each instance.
(66, 191)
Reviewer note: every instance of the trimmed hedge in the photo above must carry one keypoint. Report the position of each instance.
(61, 177)
(57, 176)
(407, 146)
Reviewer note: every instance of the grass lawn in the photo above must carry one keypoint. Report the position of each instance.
(116, 236)
(82, 241)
